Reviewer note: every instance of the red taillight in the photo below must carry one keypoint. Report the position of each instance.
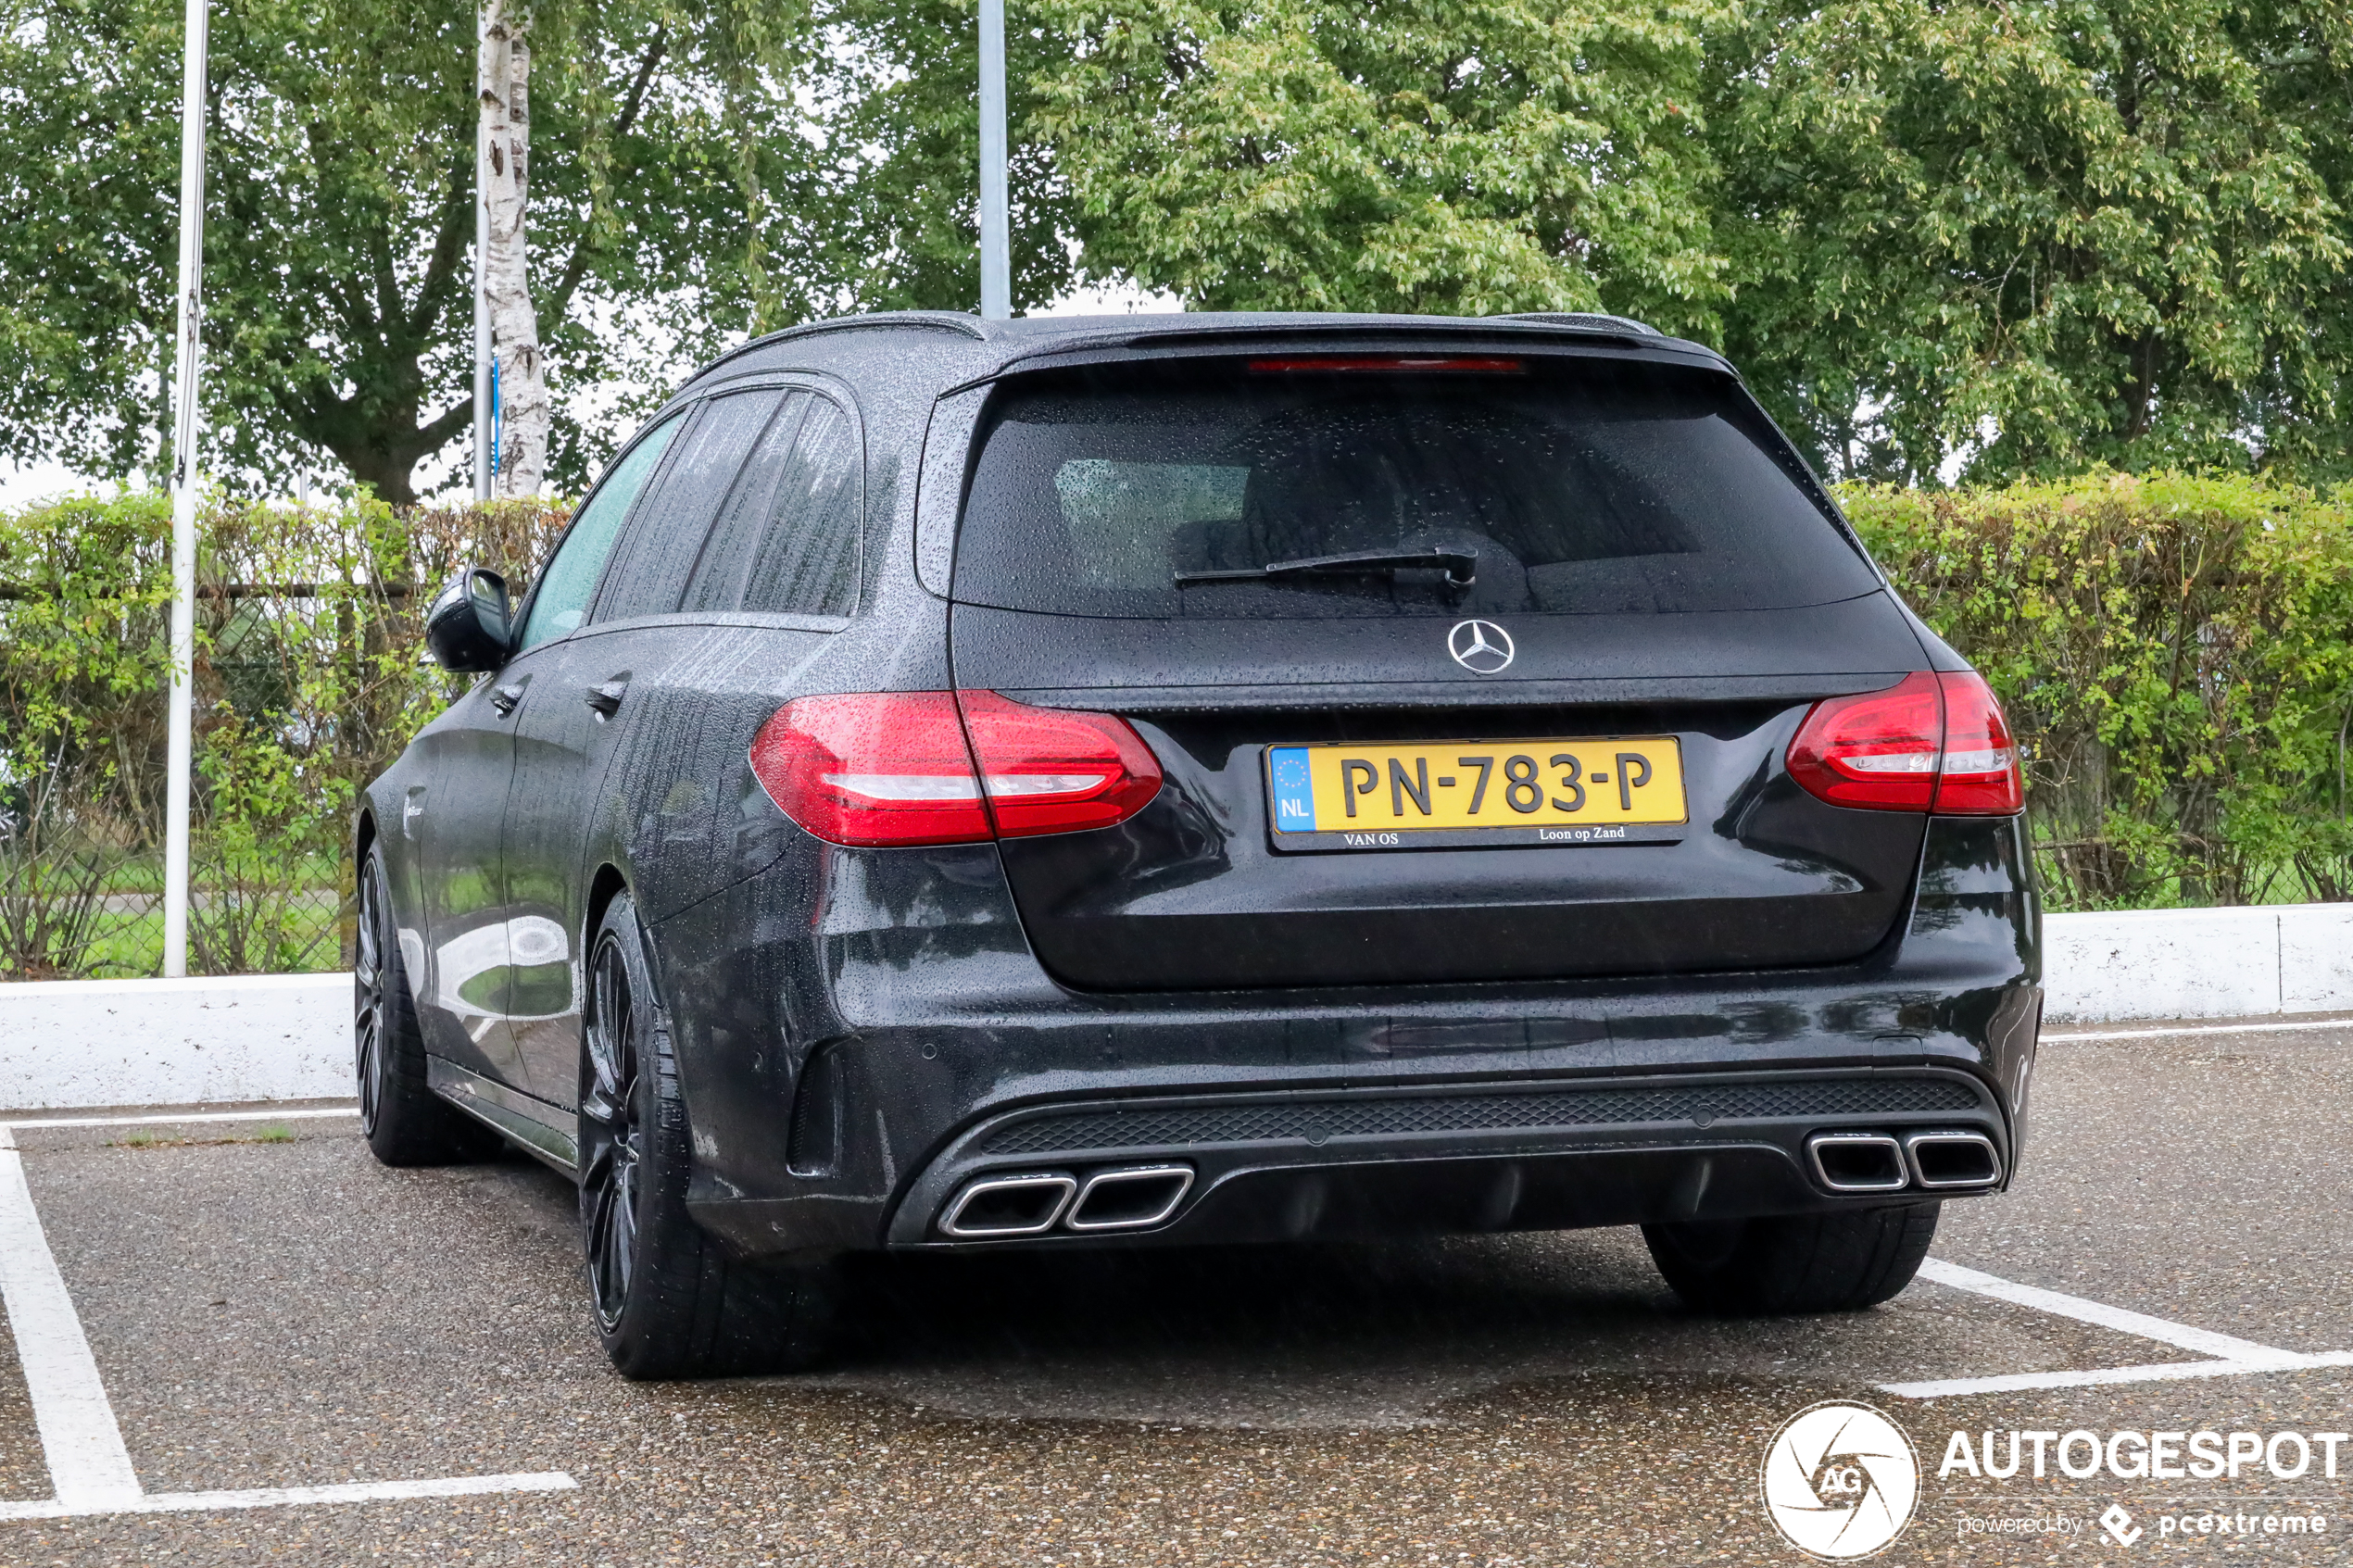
(1981, 773)
(1932, 742)
(897, 769)
(1049, 770)
(1877, 749)
(889, 770)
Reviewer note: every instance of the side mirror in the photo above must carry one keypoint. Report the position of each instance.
(469, 628)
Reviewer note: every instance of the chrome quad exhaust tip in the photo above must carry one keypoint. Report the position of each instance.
(1129, 1197)
(1001, 1206)
(1943, 1159)
(1858, 1162)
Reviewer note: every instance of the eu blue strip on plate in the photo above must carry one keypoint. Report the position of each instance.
(1294, 789)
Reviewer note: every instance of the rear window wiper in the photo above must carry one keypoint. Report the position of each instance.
(1460, 566)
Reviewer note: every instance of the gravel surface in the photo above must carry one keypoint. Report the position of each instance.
(287, 1313)
(22, 1474)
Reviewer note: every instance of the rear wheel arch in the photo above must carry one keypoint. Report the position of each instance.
(604, 886)
(363, 840)
(669, 1299)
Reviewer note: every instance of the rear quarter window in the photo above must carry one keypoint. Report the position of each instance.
(1579, 487)
(664, 536)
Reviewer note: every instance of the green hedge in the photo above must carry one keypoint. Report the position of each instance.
(2176, 652)
(310, 674)
(2177, 655)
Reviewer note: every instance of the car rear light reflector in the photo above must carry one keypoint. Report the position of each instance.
(1052, 770)
(898, 768)
(1457, 363)
(1936, 741)
(1981, 772)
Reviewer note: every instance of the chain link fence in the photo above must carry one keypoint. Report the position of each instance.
(311, 675)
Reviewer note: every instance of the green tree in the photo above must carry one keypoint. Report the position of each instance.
(667, 174)
(2031, 238)
(893, 220)
(1448, 156)
(2044, 236)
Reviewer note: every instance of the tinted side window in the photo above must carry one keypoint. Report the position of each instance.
(787, 540)
(666, 533)
(809, 560)
(569, 581)
(718, 582)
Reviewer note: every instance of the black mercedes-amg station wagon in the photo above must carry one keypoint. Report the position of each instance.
(1170, 781)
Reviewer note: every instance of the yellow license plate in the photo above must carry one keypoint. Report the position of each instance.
(1619, 789)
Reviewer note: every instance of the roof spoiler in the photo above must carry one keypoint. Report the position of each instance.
(1594, 320)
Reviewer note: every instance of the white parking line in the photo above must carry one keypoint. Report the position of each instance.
(283, 1496)
(90, 1470)
(2162, 1372)
(2304, 1026)
(2234, 1357)
(88, 1467)
(2220, 1346)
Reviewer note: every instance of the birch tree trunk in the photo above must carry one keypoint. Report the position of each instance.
(525, 414)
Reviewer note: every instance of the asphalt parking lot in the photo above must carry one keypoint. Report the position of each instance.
(268, 1310)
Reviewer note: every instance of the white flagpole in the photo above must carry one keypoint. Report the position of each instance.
(995, 267)
(482, 267)
(185, 483)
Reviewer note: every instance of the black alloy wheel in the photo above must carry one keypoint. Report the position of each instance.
(669, 1299)
(404, 1121)
(367, 1003)
(610, 1147)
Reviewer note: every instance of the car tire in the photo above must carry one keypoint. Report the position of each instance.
(668, 1300)
(404, 1121)
(1835, 1262)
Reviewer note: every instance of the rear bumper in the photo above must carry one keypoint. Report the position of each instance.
(1450, 1157)
(938, 1052)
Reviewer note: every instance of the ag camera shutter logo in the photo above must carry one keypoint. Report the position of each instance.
(1841, 1480)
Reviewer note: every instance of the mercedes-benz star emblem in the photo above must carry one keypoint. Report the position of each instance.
(1480, 647)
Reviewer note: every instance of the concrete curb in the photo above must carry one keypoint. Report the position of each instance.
(174, 1042)
(66, 1043)
(2197, 963)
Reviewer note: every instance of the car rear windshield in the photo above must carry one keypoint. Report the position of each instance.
(1577, 486)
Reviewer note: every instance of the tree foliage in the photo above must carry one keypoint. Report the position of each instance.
(1939, 235)
(1461, 157)
(2110, 231)
(2176, 653)
(2021, 238)
(338, 316)
(310, 676)
(893, 220)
